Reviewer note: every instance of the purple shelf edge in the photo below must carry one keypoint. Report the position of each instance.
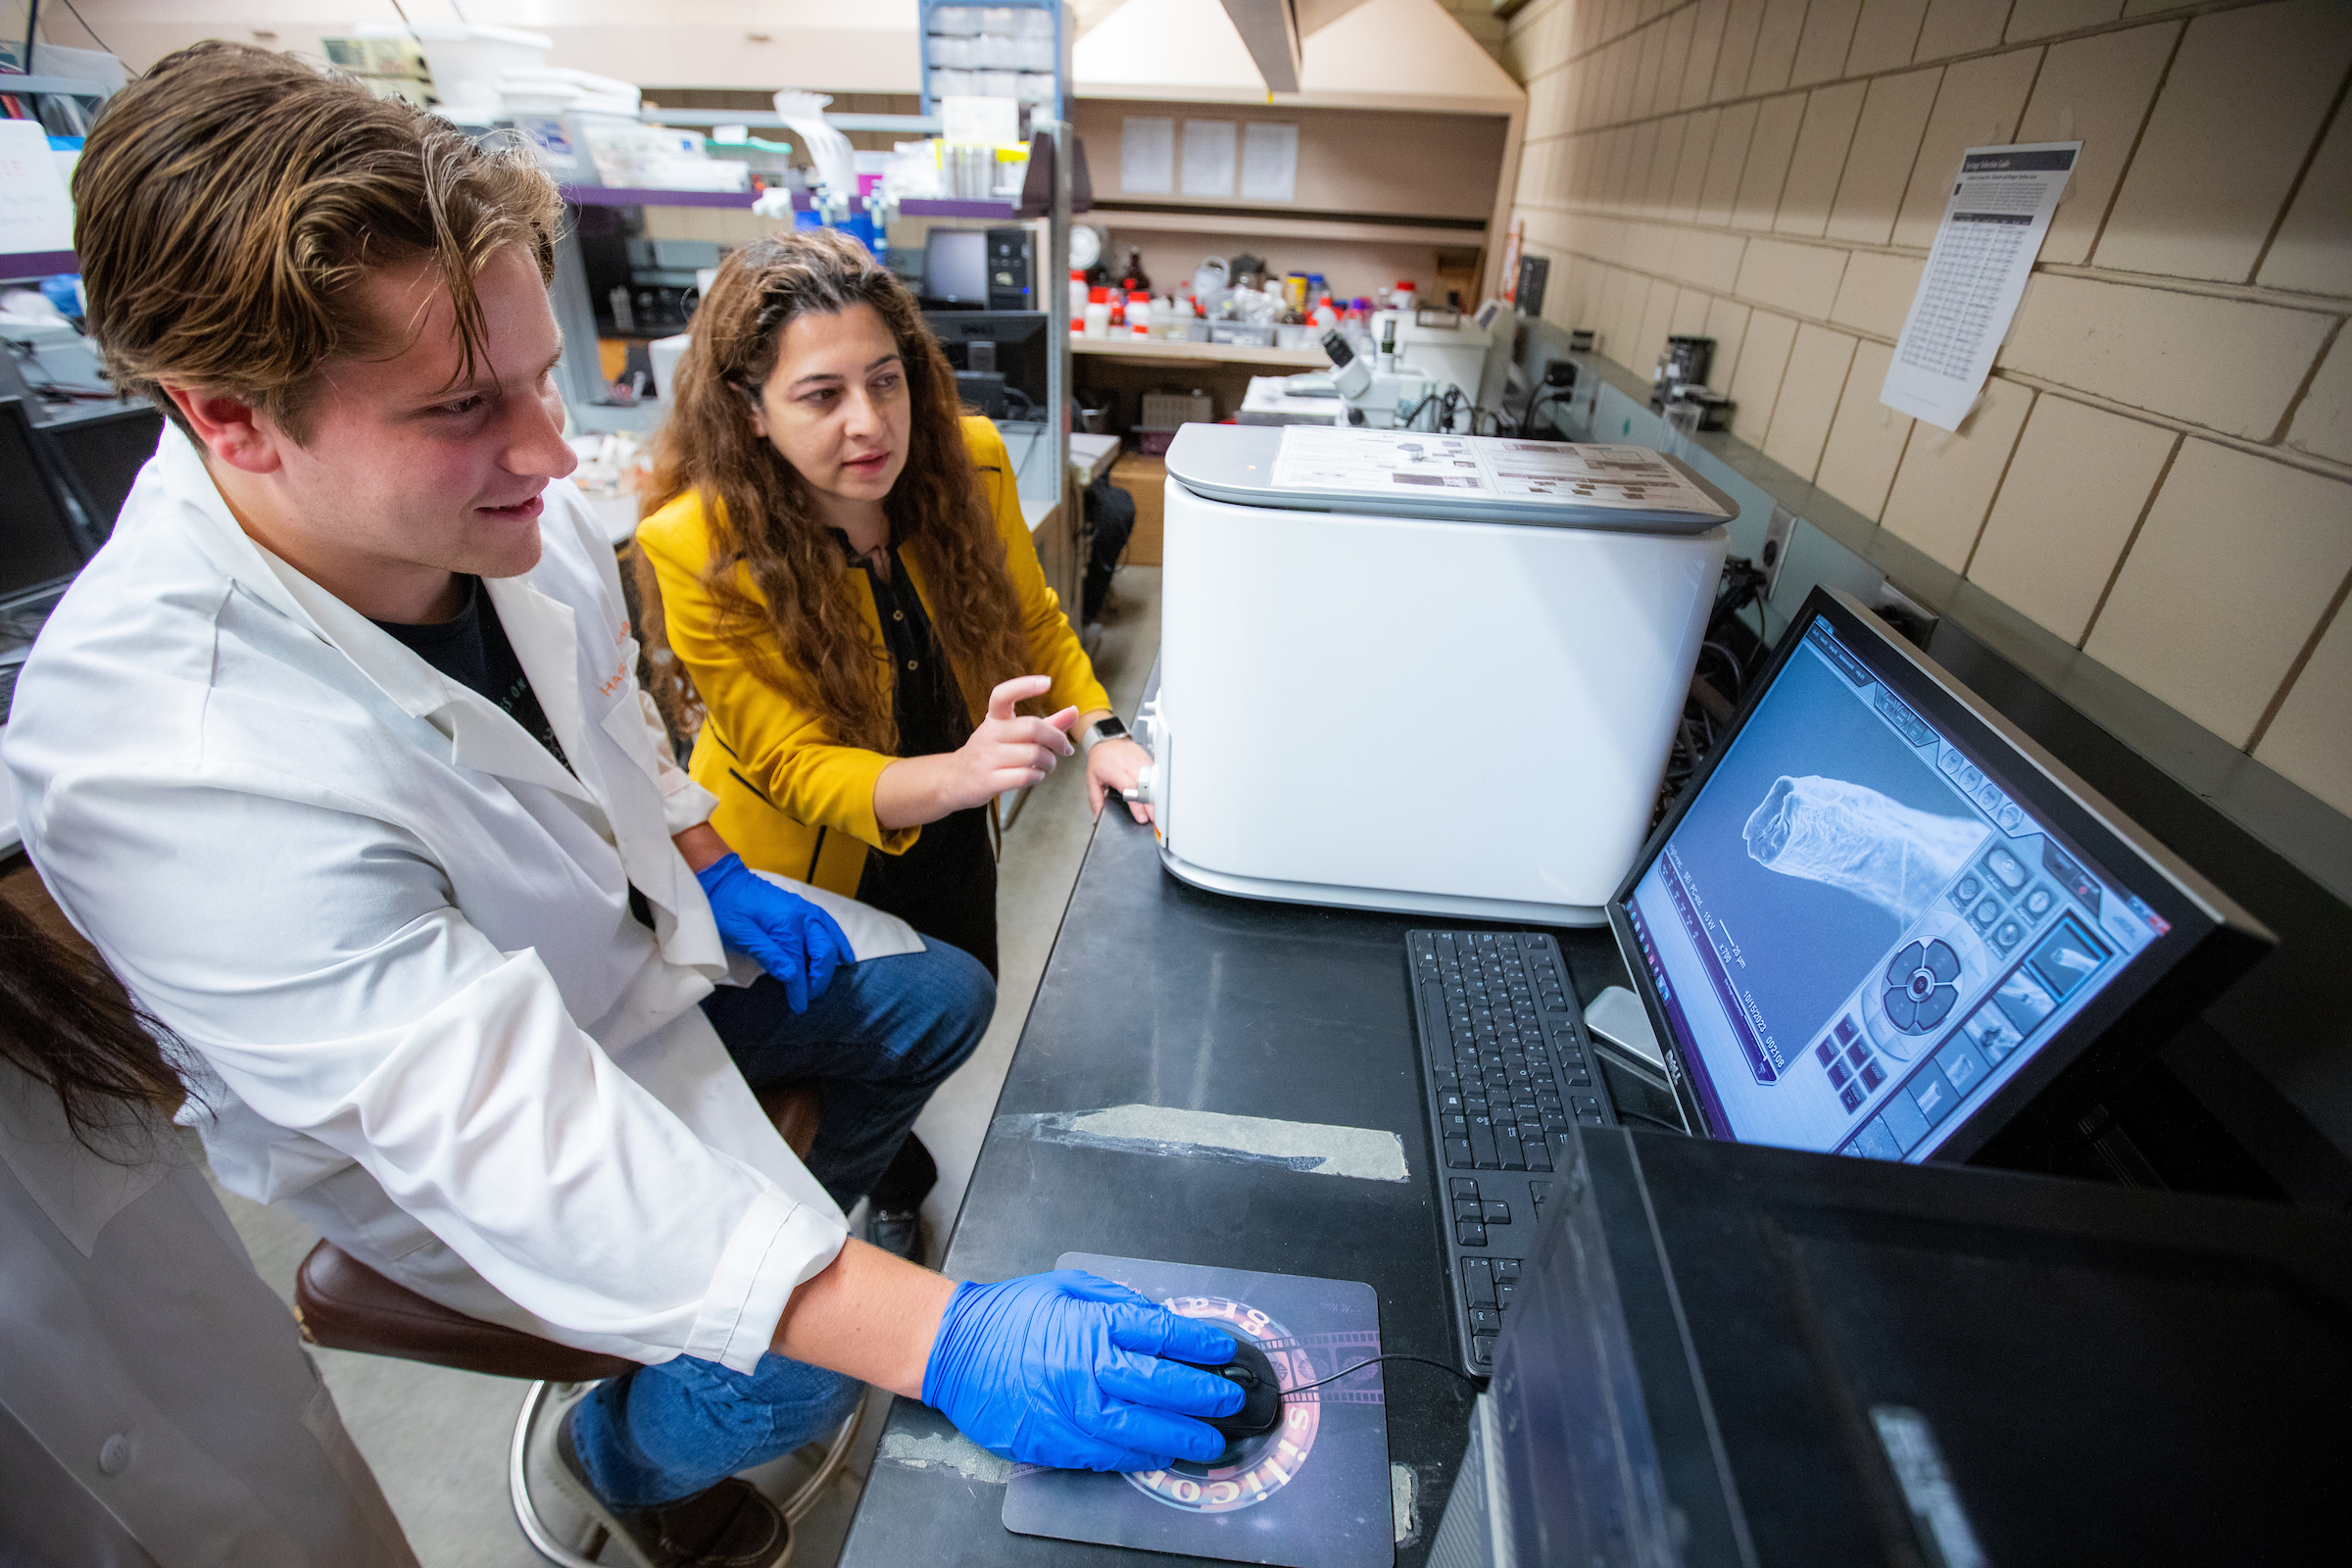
(37, 263)
(636, 196)
(802, 201)
(915, 208)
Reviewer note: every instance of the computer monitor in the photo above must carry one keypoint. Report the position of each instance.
(40, 551)
(102, 454)
(1882, 922)
(956, 268)
(1016, 342)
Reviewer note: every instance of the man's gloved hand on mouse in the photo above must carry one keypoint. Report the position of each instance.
(1064, 1369)
(793, 939)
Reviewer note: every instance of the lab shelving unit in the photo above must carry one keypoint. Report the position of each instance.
(1408, 140)
(976, 45)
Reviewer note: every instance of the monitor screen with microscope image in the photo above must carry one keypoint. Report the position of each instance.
(1859, 927)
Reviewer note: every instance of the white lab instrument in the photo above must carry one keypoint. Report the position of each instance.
(1451, 347)
(1422, 672)
(1308, 399)
(1424, 356)
(1355, 391)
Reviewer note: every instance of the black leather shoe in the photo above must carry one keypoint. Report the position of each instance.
(726, 1526)
(898, 1231)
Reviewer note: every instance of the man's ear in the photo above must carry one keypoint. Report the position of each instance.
(232, 430)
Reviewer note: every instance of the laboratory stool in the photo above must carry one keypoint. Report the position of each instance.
(344, 1304)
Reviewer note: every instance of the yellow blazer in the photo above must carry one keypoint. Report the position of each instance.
(791, 800)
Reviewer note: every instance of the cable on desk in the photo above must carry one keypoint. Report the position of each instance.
(1479, 1384)
(1526, 415)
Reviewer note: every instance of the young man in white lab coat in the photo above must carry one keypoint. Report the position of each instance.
(445, 922)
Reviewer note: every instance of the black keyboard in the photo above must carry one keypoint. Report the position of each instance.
(1509, 1070)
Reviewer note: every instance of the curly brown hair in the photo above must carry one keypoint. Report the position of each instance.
(802, 632)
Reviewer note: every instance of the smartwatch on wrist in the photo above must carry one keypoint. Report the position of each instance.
(1103, 729)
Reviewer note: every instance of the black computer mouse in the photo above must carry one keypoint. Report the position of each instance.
(1262, 1392)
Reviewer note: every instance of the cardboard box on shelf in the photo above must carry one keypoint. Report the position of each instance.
(1146, 479)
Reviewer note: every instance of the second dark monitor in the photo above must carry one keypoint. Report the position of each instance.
(956, 268)
(1014, 340)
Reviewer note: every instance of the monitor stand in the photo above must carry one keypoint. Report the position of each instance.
(1619, 1025)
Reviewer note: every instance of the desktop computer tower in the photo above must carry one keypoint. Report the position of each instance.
(1728, 1354)
(1010, 269)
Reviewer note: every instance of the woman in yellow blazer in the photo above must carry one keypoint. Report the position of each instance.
(853, 598)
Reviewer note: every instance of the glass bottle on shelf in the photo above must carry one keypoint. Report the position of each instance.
(1134, 281)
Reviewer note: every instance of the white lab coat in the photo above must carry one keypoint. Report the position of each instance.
(398, 930)
(156, 1406)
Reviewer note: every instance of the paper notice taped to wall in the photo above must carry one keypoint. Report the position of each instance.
(1147, 156)
(1270, 163)
(1993, 222)
(1208, 157)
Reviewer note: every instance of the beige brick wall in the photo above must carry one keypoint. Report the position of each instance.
(2161, 470)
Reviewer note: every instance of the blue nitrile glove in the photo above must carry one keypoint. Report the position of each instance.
(793, 939)
(1063, 1369)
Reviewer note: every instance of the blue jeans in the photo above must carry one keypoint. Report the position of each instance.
(881, 1038)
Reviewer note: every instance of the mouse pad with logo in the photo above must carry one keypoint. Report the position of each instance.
(1313, 1493)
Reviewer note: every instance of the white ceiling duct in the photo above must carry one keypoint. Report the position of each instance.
(1269, 29)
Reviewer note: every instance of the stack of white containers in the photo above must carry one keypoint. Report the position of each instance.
(991, 52)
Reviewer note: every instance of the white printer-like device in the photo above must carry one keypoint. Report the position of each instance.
(1422, 672)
